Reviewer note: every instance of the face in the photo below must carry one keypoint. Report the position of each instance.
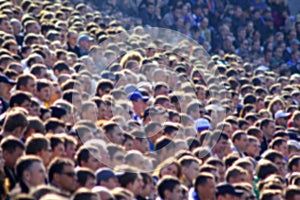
(270, 129)
(253, 149)
(11, 158)
(192, 171)
(5, 90)
(68, 179)
(59, 150)
(36, 111)
(210, 187)
(37, 174)
(46, 155)
(90, 113)
(13, 49)
(45, 94)
(175, 194)
(137, 185)
(90, 183)
(169, 170)
(93, 163)
(117, 136)
(281, 165)
(129, 145)
(5, 26)
(26, 104)
(70, 150)
(242, 143)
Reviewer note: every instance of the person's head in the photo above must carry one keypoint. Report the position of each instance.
(54, 125)
(280, 144)
(6, 85)
(195, 110)
(169, 188)
(265, 168)
(31, 170)
(236, 174)
(39, 71)
(57, 144)
(165, 147)
(205, 185)
(294, 164)
(148, 189)
(135, 158)
(140, 141)
(104, 87)
(292, 192)
(85, 193)
(116, 153)
(226, 191)
(38, 144)
(85, 177)
(240, 141)
(4, 24)
(89, 111)
(21, 99)
(253, 147)
(113, 132)
(15, 123)
(12, 149)
(43, 91)
(86, 156)
(221, 143)
(27, 83)
(270, 194)
(277, 158)
(62, 174)
(190, 167)
(106, 178)
(131, 179)
(268, 127)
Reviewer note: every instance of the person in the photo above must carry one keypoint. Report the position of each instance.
(62, 175)
(85, 178)
(32, 173)
(227, 191)
(204, 187)
(12, 149)
(39, 145)
(169, 188)
(106, 178)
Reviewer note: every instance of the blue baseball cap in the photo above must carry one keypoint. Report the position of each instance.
(137, 95)
(5, 79)
(85, 37)
(104, 174)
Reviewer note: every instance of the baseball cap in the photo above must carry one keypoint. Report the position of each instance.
(137, 95)
(85, 38)
(295, 41)
(202, 124)
(281, 114)
(226, 188)
(104, 174)
(5, 79)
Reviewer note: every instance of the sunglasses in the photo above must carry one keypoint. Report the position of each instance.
(70, 174)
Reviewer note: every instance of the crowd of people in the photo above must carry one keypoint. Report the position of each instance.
(106, 100)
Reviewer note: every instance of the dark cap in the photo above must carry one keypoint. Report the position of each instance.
(104, 174)
(226, 188)
(5, 79)
(57, 111)
(137, 95)
(295, 41)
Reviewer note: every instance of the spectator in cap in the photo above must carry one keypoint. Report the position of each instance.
(227, 191)
(106, 178)
(85, 42)
(281, 118)
(6, 85)
(138, 103)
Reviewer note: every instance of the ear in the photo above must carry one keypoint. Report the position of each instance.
(26, 175)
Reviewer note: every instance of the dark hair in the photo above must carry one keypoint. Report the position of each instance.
(11, 143)
(57, 166)
(166, 183)
(83, 174)
(24, 163)
(36, 143)
(19, 97)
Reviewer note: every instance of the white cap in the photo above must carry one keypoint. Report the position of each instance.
(281, 114)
